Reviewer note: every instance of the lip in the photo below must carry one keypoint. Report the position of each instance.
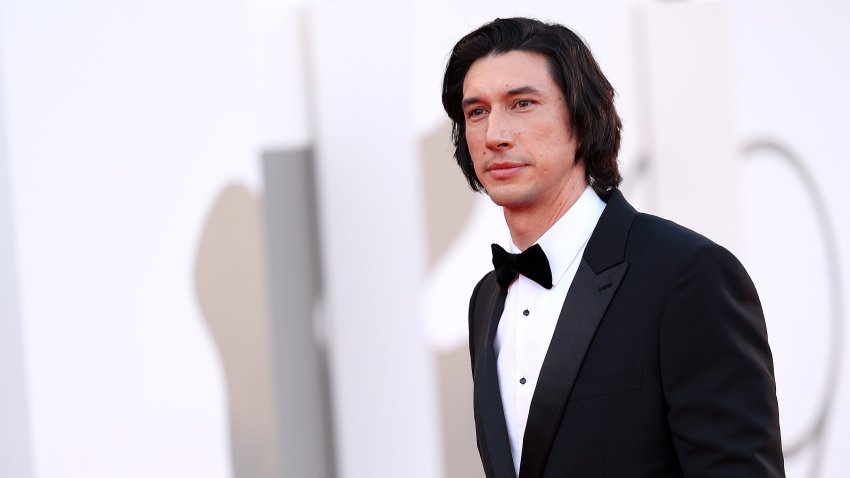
(504, 169)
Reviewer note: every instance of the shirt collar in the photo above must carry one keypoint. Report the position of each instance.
(565, 239)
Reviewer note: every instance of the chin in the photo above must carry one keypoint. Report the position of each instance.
(508, 199)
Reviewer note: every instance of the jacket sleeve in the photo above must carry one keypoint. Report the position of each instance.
(717, 371)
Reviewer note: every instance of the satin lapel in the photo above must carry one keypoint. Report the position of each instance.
(493, 431)
(586, 302)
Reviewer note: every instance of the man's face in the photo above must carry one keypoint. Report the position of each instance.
(517, 129)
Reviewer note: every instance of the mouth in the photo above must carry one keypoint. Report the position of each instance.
(504, 169)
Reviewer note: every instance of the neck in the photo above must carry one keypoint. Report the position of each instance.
(527, 224)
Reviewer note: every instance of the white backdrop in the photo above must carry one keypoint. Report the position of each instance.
(122, 123)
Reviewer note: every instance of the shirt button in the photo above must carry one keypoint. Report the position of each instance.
(525, 312)
(522, 381)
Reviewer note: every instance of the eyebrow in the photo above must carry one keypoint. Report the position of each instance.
(468, 101)
(522, 90)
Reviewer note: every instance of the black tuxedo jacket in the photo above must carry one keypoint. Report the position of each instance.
(659, 365)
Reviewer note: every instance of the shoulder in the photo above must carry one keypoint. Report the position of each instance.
(484, 288)
(666, 233)
(675, 245)
(667, 255)
(695, 269)
(477, 327)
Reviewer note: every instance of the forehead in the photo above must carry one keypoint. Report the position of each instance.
(494, 74)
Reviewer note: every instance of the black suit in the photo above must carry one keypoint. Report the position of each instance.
(659, 365)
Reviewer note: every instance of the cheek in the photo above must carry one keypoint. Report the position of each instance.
(544, 132)
(548, 138)
(476, 147)
(471, 135)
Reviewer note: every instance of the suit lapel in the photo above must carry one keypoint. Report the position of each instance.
(596, 281)
(493, 432)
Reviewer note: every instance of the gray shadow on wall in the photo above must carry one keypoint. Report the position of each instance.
(303, 384)
(259, 334)
(449, 203)
(275, 371)
(15, 435)
(232, 293)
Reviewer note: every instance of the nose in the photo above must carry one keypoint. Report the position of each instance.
(499, 137)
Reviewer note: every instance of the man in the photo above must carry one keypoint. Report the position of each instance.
(616, 344)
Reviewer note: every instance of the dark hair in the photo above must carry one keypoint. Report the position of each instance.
(589, 95)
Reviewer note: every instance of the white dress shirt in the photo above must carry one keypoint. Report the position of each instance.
(531, 313)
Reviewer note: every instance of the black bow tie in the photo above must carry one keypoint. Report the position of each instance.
(531, 263)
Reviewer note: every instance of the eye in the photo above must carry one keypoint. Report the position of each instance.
(476, 112)
(523, 104)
